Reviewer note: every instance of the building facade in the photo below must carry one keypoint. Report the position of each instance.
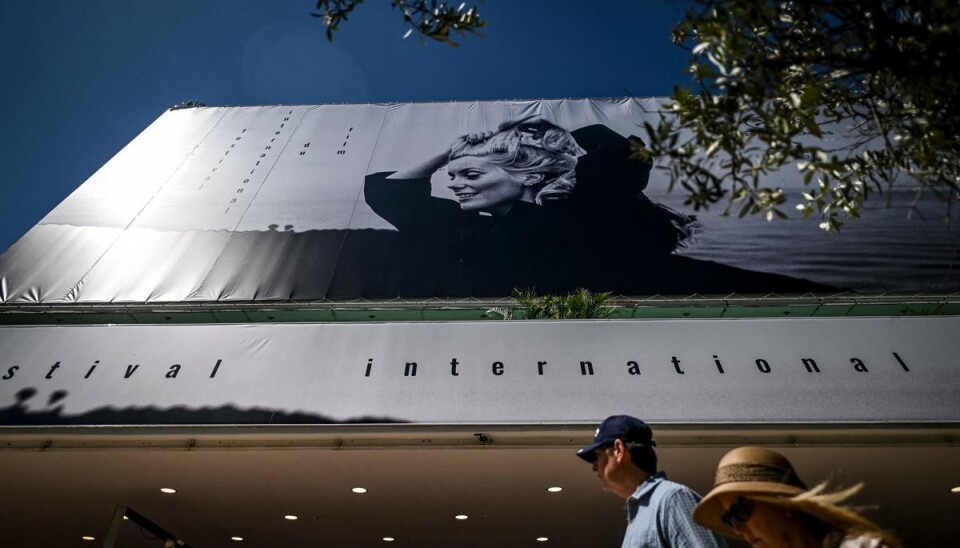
(268, 308)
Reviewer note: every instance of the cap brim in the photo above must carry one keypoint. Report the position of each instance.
(589, 453)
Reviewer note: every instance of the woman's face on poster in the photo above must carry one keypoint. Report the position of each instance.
(481, 185)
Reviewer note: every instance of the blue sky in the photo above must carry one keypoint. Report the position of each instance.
(81, 78)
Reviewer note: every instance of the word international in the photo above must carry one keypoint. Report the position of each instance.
(633, 367)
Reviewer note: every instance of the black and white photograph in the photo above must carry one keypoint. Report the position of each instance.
(449, 200)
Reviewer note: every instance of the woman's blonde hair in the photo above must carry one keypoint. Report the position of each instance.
(527, 146)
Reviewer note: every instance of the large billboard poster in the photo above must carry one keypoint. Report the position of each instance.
(459, 199)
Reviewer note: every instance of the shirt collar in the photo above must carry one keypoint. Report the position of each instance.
(641, 496)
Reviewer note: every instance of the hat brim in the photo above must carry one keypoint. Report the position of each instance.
(707, 513)
(589, 453)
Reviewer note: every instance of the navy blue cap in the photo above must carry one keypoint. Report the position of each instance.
(618, 427)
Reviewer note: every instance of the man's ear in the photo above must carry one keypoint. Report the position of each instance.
(619, 450)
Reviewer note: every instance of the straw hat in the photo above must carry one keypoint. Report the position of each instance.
(763, 475)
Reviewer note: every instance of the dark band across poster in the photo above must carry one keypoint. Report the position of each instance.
(455, 200)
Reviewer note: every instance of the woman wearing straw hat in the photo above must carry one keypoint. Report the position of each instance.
(758, 497)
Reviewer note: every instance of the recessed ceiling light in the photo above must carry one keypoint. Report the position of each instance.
(238, 539)
(955, 489)
(167, 490)
(87, 538)
(125, 518)
(388, 539)
(554, 489)
(290, 517)
(359, 490)
(542, 539)
(461, 516)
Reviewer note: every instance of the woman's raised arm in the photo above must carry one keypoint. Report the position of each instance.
(427, 168)
(424, 169)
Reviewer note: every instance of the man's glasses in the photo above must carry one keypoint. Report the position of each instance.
(738, 513)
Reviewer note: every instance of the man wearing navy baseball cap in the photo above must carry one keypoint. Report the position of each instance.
(659, 511)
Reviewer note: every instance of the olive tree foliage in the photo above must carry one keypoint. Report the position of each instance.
(771, 75)
(581, 304)
(427, 18)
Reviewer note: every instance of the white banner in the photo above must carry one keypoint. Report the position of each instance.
(684, 371)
